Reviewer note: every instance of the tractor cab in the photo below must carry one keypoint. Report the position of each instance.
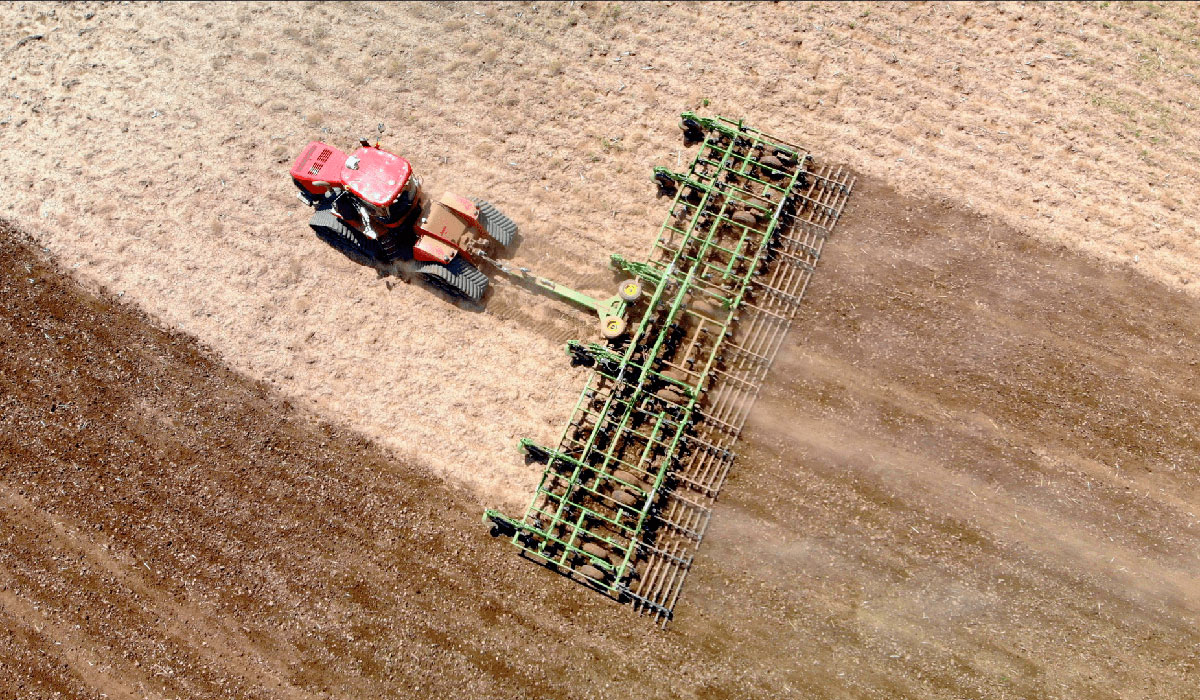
(382, 184)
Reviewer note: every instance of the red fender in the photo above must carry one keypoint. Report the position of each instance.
(430, 249)
(461, 206)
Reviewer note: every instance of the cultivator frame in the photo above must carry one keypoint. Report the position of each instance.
(627, 494)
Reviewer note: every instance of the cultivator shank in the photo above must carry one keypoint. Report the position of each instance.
(627, 493)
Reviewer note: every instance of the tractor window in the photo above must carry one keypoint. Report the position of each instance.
(405, 200)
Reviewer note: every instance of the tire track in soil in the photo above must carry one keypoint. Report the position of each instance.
(82, 670)
(553, 318)
(556, 330)
(544, 316)
(179, 622)
(550, 317)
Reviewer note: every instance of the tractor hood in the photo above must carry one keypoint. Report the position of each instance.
(318, 168)
(375, 176)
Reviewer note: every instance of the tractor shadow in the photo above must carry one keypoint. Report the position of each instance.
(402, 269)
(507, 253)
(355, 255)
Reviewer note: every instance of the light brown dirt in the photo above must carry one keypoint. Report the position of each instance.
(147, 146)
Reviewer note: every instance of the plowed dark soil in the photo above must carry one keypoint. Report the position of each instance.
(972, 474)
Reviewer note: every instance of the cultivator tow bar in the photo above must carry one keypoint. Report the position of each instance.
(626, 495)
(611, 311)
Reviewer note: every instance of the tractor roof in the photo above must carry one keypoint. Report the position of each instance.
(375, 176)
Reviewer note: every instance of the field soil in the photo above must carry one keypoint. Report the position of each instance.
(234, 463)
(972, 474)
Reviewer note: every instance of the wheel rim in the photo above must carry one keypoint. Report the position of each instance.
(612, 327)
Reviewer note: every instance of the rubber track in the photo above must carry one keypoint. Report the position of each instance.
(340, 235)
(497, 225)
(460, 278)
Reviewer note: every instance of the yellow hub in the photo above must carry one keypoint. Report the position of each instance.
(630, 290)
(612, 327)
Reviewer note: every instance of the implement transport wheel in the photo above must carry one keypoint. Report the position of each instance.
(630, 290)
(612, 327)
(459, 279)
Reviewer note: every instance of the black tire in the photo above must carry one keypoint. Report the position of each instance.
(497, 225)
(459, 279)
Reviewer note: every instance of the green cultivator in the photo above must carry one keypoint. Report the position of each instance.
(627, 493)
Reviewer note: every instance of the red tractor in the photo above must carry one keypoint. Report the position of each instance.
(370, 203)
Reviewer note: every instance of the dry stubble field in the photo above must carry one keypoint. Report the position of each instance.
(973, 474)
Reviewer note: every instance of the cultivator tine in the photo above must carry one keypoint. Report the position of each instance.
(627, 495)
